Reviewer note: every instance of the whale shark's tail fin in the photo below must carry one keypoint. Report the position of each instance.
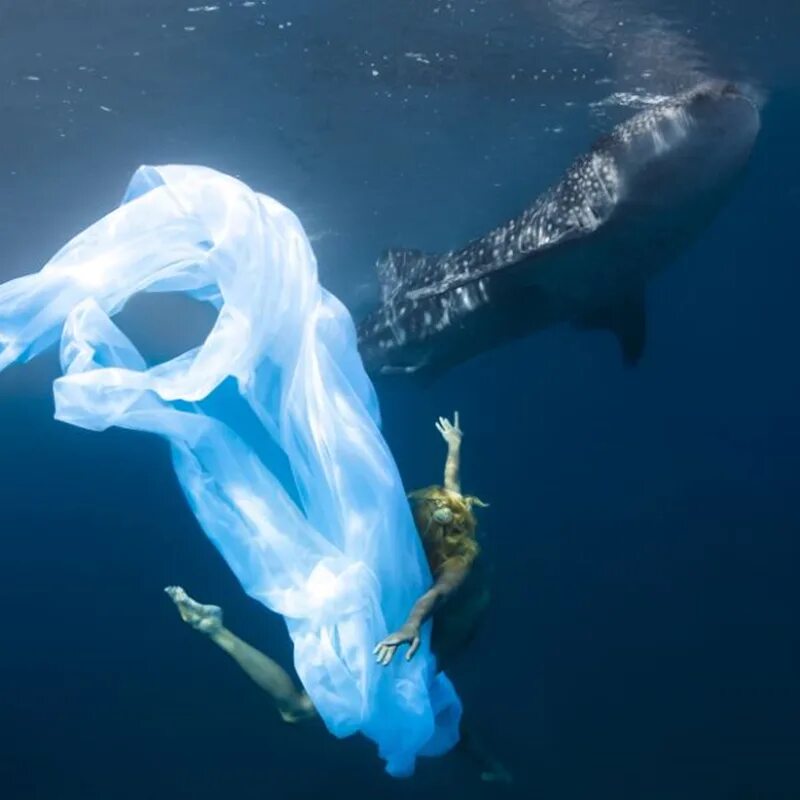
(399, 269)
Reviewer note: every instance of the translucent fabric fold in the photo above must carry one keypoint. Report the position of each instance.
(284, 466)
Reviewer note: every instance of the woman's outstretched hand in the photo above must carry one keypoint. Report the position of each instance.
(451, 432)
(409, 634)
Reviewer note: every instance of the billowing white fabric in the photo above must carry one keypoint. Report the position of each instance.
(329, 543)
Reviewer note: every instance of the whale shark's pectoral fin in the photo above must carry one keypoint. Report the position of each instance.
(388, 369)
(424, 374)
(626, 319)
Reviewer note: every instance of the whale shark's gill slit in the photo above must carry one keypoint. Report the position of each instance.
(398, 267)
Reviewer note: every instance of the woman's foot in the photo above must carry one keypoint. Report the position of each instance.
(206, 619)
(498, 774)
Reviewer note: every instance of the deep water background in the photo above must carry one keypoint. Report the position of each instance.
(644, 637)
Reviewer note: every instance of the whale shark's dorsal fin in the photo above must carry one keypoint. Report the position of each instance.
(626, 319)
(398, 268)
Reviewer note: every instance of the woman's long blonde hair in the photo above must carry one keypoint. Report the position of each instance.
(455, 540)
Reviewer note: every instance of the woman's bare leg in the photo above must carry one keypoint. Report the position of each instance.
(491, 770)
(293, 705)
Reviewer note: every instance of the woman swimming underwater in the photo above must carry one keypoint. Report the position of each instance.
(456, 601)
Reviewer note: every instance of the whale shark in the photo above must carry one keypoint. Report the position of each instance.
(582, 253)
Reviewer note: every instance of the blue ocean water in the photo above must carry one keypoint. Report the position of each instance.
(642, 639)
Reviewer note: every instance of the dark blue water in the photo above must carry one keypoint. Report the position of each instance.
(643, 531)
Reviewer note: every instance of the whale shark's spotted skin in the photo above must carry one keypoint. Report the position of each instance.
(440, 309)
